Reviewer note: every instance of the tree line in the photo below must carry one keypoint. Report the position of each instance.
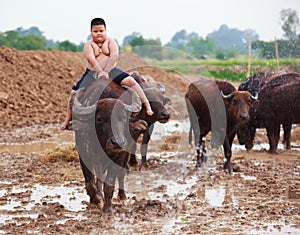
(221, 44)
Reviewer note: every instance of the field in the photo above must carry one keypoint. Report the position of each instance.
(42, 187)
(232, 69)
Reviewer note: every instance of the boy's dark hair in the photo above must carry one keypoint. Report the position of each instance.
(98, 21)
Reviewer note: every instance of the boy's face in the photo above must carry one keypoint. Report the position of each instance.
(98, 33)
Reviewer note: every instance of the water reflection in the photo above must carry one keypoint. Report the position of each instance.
(70, 197)
(220, 195)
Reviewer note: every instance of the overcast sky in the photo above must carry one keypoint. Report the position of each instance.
(70, 19)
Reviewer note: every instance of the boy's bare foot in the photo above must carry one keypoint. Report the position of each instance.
(64, 126)
(149, 111)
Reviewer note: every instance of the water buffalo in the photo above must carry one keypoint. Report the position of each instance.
(246, 132)
(154, 92)
(256, 82)
(209, 111)
(278, 105)
(102, 133)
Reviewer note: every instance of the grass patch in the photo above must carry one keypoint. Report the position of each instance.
(227, 74)
(233, 69)
(61, 154)
(232, 62)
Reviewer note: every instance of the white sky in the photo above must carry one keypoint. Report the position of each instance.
(70, 19)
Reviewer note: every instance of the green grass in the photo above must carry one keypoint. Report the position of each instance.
(227, 74)
(232, 62)
(221, 69)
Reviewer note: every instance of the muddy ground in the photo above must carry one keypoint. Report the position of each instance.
(41, 183)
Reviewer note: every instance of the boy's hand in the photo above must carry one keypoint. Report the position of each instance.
(103, 74)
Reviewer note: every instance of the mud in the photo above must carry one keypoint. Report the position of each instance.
(42, 190)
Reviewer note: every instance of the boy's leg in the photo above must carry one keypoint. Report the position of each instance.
(129, 81)
(68, 115)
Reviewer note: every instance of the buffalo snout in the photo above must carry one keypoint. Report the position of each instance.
(116, 144)
(164, 116)
(244, 117)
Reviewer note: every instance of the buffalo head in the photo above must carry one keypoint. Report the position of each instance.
(238, 104)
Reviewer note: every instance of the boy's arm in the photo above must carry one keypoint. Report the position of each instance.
(90, 56)
(113, 55)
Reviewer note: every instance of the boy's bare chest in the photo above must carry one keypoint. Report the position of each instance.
(103, 48)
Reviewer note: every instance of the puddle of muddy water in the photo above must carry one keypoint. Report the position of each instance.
(160, 130)
(274, 229)
(70, 197)
(42, 145)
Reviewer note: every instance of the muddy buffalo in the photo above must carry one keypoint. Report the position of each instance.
(278, 105)
(102, 133)
(246, 132)
(256, 82)
(218, 107)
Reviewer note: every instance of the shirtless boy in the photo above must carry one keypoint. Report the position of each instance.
(101, 54)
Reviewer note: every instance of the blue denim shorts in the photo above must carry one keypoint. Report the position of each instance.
(116, 74)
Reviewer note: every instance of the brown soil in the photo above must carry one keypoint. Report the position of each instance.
(260, 197)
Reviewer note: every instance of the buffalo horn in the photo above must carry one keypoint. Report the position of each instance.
(161, 88)
(136, 104)
(82, 111)
(254, 97)
(226, 96)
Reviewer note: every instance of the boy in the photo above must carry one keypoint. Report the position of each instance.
(101, 54)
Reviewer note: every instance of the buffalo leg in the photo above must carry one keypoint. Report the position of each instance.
(132, 160)
(121, 178)
(89, 184)
(227, 152)
(287, 135)
(109, 187)
(201, 151)
(144, 147)
(249, 145)
(273, 136)
(99, 181)
(198, 159)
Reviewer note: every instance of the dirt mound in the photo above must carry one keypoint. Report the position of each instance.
(35, 85)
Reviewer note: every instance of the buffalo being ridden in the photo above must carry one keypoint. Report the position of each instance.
(102, 132)
(216, 106)
(278, 105)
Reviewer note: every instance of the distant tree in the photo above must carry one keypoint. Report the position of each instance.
(67, 46)
(224, 55)
(290, 24)
(180, 37)
(9, 39)
(33, 39)
(221, 55)
(199, 46)
(150, 48)
(180, 40)
(266, 49)
(31, 42)
(137, 41)
(227, 39)
(129, 38)
(31, 31)
(80, 46)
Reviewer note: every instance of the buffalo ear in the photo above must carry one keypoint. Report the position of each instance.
(139, 125)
